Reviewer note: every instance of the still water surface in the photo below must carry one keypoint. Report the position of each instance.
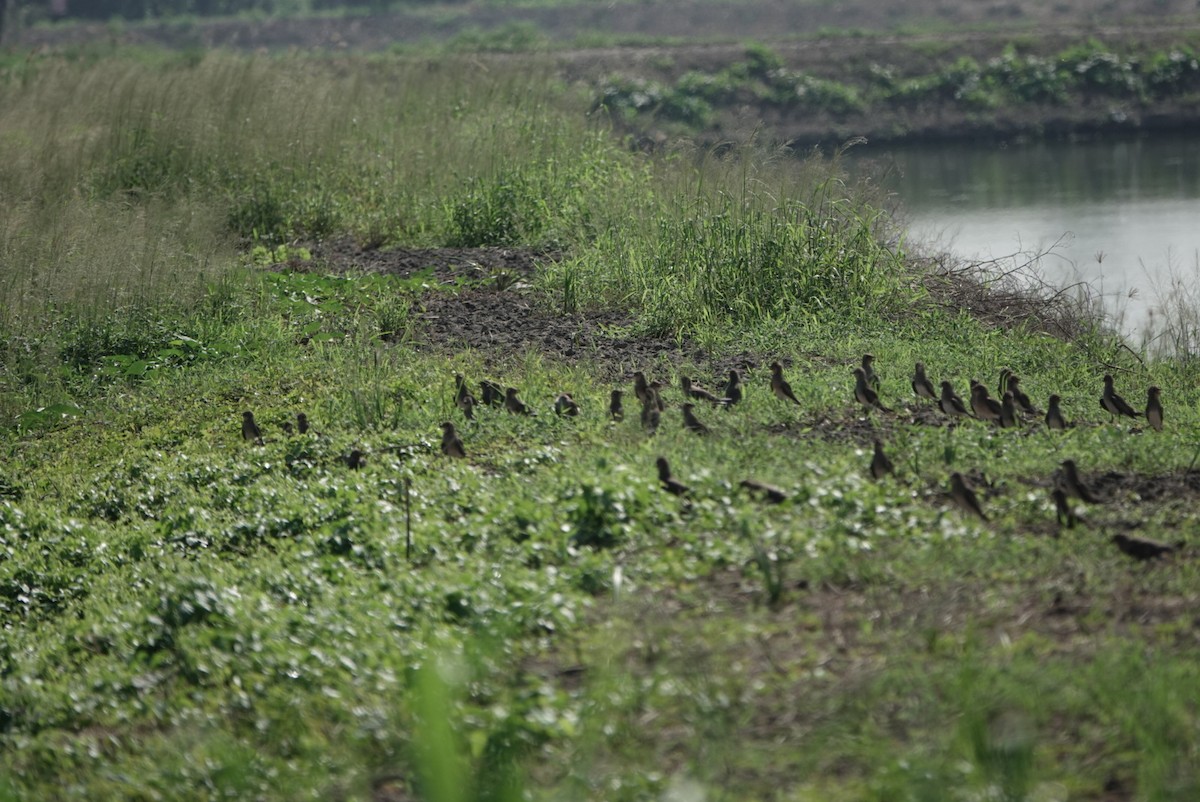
(1123, 216)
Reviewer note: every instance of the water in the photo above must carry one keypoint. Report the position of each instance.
(1123, 216)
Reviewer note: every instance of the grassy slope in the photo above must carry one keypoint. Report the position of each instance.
(186, 613)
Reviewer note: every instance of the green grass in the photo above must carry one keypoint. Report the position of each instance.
(187, 615)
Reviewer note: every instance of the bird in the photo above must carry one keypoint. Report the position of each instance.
(963, 496)
(460, 388)
(1013, 385)
(921, 384)
(515, 405)
(868, 368)
(356, 459)
(1008, 411)
(769, 493)
(451, 445)
(1068, 479)
(1154, 413)
(250, 430)
(881, 466)
(690, 422)
(984, 406)
(288, 428)
(696, 391)
(863, 392)
(1062, 508)
(1054, 416)
(669, 482)
(779, 385)
(565, 405)
(492, 393)
(301, 423)
(950, 403)
(1112, 403)
(466, 403)
(733, 388)
(641, 388)
(651, 412)
(1141, 548)
(615, 410)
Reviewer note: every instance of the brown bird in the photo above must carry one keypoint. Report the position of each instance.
(467, 404)
(868, 368)
(881, 466)
(690, 422)
(460, 388)
(1062, 508)
(651, 412)
(779, 385)
(691, 390)
(1154, 409)
(515, 405)
(733, 388)
(356, 459)
(641, 388)
(301, 423)
(963, 496)
(1013, 385)
(492, 393)
(565, 405)
(769, 493)
(669, 482)
(250, 430)
(1071, 483)
(1054, 416)
(1141, 548)
(1008, 412)
(451, 445)
(1112, 403)
(921, 384)
(864, 393)
(950, 403)
(615, 409)
(984, 406)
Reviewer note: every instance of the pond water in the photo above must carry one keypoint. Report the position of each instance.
(1123, 216)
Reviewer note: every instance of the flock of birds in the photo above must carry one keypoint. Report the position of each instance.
(1007, 412)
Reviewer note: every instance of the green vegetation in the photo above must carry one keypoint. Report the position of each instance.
(188, 615)
(1087, 72)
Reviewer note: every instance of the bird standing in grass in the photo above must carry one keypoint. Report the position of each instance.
(1062, 508)
(983, 405)
(356, 459)
(1013, 385)
(1142, 548)
(769, 493)
(301, 423)
(1154, 412)
(964, 497)
(1073, 485)
(921, 384)
(451, 445)
(565, 405)
(615, 409)
(651, 412)
(641, 388)
(492, 393)
(779, 385)
(868, 368)
(691, 390)
(881, 466)
(1054, 417)
(467, 404)
(733, 388)
(864, 393)
(515, 405)
(690, 422)
(950, 403)
(669, 482)
(1008, 412)
(250, 430)
(1112, 403)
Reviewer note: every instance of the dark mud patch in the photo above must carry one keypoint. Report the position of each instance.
(345, 256)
